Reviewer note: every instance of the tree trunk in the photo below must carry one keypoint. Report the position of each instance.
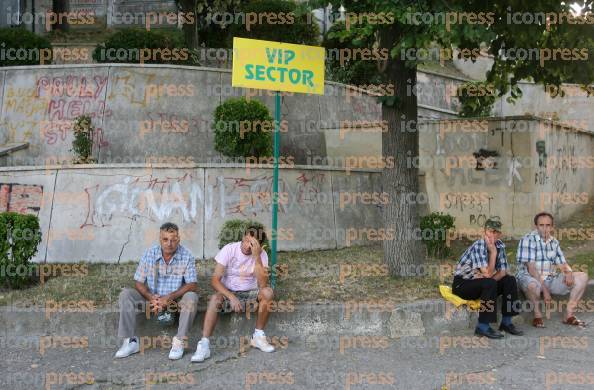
(190, 30)
(401, 142)
(60, 7)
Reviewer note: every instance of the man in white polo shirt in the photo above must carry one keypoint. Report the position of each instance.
(240, 279)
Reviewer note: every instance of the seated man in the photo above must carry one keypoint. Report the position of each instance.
(240, 279)
(165, 274)
(482, 273)
(539, 255)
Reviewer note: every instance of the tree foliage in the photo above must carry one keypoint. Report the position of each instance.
(403, 36)
(279, 21)
(341, 66)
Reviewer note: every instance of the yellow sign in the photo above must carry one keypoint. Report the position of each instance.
(278, 66)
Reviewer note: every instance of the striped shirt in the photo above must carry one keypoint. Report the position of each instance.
(170, 277)
(546, 255)
(476, 257)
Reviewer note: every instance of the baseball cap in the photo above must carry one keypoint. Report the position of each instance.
(493, 223)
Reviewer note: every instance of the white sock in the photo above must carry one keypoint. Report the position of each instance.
(258, 332)
(204, 340)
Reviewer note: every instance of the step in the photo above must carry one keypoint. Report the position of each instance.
(6, 149)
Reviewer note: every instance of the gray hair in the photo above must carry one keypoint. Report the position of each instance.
(169, 227)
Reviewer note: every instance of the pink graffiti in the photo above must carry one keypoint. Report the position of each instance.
(71, 86)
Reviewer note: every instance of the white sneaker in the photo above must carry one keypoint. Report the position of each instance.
(261, 343)
(177, 349)
(202, 352)
(128, 348)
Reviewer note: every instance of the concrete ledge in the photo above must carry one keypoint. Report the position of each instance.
(183, 166)
(6, 149)
(307, 323)
(324, 319)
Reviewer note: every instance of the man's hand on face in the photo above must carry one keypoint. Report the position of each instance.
(490, 241)
(235, 304)
(255, 245)
(569, 279)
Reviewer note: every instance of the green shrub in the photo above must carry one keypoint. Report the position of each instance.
(233, 229)
(476, 99)
(300, 26)
(126, 46)
(19, 237)
(82, 145)
(18, 39)
(243, 129)
(434, 230)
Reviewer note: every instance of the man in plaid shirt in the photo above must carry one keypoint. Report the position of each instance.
(482, 273)
(166, 281)
(539, 260)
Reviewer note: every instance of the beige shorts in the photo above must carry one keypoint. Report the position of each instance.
(554, 283)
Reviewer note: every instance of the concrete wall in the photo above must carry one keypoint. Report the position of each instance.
(106, 13)
(539, 166)
(39, 103)
(9, 7)
(21, 14)
(112, 212)
(575, 109)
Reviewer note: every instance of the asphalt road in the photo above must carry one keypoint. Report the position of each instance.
(558, 357)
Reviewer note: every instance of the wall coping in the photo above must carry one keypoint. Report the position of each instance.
(24, 168)
(200, 68)
(181, 166)
(224, 70)
(513, 117)
(162, 66)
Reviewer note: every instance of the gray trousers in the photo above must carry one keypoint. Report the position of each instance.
(130, 300)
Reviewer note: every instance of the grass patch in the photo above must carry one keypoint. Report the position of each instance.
(100, 283)
(582, 222)
(583, 262)
(354, 273)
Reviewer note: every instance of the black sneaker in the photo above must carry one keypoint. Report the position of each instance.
(511, 329)
(490, 333)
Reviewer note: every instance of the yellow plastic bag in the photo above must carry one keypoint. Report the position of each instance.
(446, 293)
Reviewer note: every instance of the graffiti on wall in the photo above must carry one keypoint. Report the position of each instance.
(21, 198)
(152, 198)
(48, 107)
(159, 199)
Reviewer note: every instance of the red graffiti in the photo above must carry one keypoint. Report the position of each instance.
(61, 109)
(71, 86)
(21, 198)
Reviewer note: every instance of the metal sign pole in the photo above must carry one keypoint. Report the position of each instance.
(277, 115)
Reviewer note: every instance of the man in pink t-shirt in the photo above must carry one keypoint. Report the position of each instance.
(240, 279)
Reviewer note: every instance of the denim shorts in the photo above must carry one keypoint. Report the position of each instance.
(554, 283)
(247, 299)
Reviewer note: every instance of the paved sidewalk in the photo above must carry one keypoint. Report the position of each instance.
(558, 356)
